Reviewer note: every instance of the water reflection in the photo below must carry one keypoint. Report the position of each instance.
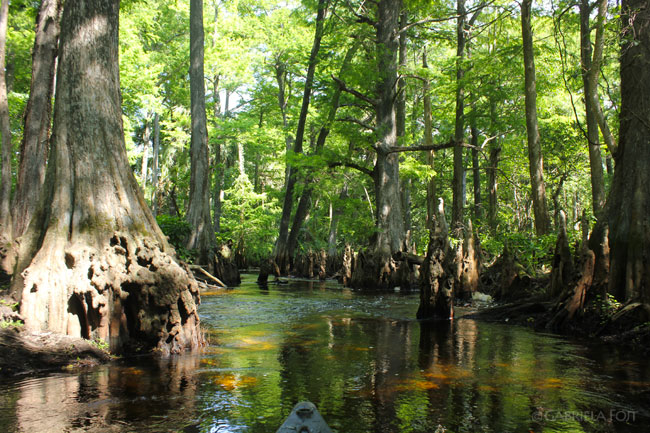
(361, 359)
(158, 393)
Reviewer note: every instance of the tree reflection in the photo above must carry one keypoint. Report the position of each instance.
(109, 398)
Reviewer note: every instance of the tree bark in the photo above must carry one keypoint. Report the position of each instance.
(535, 159)
(5, 130)
(390, 225)
(198, 213)
(458, 202)
(36, 130)
(437, 280)
(93, 263)
(629, 210)
(590, 71)
(281, 251)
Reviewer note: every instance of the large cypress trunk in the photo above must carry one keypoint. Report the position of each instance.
(378, 270)
(198, 214)
(629, 207)
(93, 262)
(33, 149)
(390, 225)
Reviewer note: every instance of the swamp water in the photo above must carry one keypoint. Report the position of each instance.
(362, 359)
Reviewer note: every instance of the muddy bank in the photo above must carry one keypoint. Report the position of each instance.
(24, 352)
(626, 327)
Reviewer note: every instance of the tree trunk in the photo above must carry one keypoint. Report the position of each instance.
(216, 113)
(476, 174)
(198, 213)
(590, 83)
(377, 269)
(400, 108)
(599, 44)
(405, 193)
(93, 262)
(5, 130)
(305, 199)
(466, 264)
(283, 100)
(493, 163)
(218, 187)
(562, 267)
(629, 216)
(598, 242)
(146, 138)
(36, 131)
(218, 172)
(437, 282)
(281, 251)
(428, 141)
(390, 225)
(535, 160)
(334, 223)
(459, 130)
(405, 186)
(155, 163)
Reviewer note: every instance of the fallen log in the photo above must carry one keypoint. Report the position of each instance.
(207, 274)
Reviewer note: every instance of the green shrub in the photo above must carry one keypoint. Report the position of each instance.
(177, 231)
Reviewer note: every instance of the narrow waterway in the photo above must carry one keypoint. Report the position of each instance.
(362, 359)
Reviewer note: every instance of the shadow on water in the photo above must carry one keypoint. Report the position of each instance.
(361, 358)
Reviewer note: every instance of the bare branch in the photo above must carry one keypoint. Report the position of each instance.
(357, 121)
(448, 18)
(353, 165)
(451, 143)
(356, 93)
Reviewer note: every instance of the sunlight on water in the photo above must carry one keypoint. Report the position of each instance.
(361, 358)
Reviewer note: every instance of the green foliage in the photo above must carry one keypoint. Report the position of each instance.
(252, 46)
(10, 323)
(100, 344)
(177, 231)
(10, 304)
(249, 217)
(533, 252)
(605, 307)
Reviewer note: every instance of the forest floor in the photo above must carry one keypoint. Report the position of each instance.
(25, 352)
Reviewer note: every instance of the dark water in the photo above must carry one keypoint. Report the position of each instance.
(361, 358)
